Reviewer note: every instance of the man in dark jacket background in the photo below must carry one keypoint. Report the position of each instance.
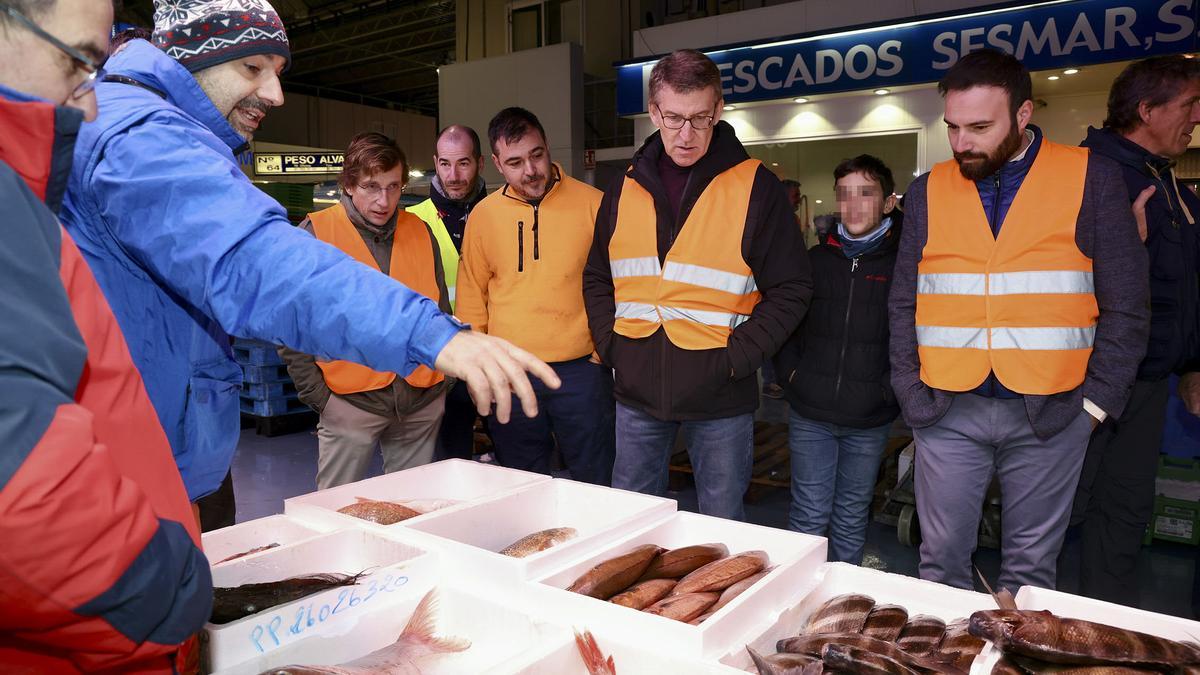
(1152, 109)
(730, 289)
(1018, 317)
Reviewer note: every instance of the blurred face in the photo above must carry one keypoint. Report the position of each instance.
(377, 196)
(793, 194)
(861, 202)
(525, 164)
(677, 115)
(983, 133)
(33, 65)
(1167, 129)
(244, 90)
(457, 166)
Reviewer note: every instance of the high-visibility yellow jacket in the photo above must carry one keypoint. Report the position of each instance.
(428, 212)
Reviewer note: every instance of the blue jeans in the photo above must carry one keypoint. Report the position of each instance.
(721, 450)
(579, 415)
(833, 479)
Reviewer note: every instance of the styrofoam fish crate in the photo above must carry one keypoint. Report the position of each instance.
(444, 485)
(796, 558)
(498, 634)
(395, 572)
(563, 659)
(834, 579)
(1078, 607)
(473, 535)
(280, 529)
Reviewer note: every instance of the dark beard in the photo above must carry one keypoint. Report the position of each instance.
(991, 162)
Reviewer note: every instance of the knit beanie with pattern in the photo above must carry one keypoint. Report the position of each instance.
(204, 33)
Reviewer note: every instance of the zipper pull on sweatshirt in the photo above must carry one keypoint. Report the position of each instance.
(520, 246)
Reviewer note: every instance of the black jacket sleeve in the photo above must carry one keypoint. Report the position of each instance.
(774, 248)
(598, 294)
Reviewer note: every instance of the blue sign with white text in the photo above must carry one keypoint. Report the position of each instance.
(1044, 35)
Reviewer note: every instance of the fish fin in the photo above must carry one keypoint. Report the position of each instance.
(363, 500)
(1004, 599)
(593, 658)
(422, 627)
(760, 663)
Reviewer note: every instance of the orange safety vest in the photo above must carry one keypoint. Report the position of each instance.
(704, 289)
(412, 265)
(1021, 304)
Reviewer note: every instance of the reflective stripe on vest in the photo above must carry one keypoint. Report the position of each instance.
(704, 289)
(1022, 304)
(412, 264)
(427, 211)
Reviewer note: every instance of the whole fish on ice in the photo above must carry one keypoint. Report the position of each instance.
(418, 642)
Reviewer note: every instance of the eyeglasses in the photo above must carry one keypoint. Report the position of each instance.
(698, 122)
(375, 189)
(94, 70)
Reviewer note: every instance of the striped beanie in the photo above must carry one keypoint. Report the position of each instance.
(204, 33)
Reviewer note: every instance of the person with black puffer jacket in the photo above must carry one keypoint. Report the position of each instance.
(835, 365)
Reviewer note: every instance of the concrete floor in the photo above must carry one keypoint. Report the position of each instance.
(268, 470)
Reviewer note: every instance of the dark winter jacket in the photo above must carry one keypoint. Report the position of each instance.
(652, 374)
(1104, 232)
(835, 366)
(1173, 243)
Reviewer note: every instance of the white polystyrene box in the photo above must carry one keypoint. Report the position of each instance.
(1078, 607)
(456, 481)
(562, 658)
(394, 572)
(280, 529)
(473, 535)
(498, 634)
(796, 558)
(834, 579)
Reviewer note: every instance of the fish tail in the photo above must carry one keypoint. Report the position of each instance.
(422, 628)
(760, 663)
(592, 657)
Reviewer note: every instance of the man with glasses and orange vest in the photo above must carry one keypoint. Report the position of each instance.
(697, 275)
(361, 407)
(1018, 317)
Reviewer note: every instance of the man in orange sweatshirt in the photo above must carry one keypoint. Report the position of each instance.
(521, 278)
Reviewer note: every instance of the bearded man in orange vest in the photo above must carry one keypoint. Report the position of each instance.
(361, 407)
(1018, 318)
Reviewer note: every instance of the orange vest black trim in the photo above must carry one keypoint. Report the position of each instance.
(412, 265)
(704, 289)
(1021, 304)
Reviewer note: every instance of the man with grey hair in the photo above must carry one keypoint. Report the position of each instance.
(190, 252)
(697, 275)
(101, 563)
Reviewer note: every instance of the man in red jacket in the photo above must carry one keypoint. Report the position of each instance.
(100, 566)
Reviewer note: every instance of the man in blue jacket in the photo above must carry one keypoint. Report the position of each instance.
(189, 252)
(1152, 109)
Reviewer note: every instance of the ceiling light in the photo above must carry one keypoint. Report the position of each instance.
(729, 107)
(1070, 71)
(416, 173)
(1052, 78)
(800, 100)
(774, 163)
(819, 201)
(882, 92)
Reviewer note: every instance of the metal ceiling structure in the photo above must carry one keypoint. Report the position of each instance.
(378, 52)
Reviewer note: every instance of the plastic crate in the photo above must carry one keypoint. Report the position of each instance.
(263, 391)
(1175, 520)
(265, 374)
(1179, 468)
(273, 407)
(256, 354)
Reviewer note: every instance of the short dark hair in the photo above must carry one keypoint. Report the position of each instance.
(872, 167)
(511, 124)
(990, 68)
(685, 71)
(133, 33)
(371, 152)
(1154, 81)
(790, 183)
(456, 129)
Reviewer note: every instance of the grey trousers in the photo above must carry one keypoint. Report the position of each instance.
(956, 458)
(347, 437)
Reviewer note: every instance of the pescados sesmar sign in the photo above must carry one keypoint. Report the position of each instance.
(1058, 33)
